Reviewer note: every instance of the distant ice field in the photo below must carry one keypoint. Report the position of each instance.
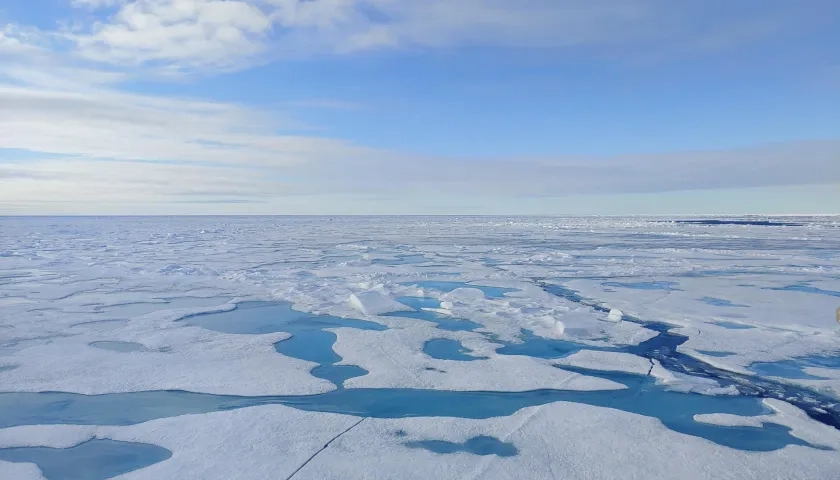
(419, 347)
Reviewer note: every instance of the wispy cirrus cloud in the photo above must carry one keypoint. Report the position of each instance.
(172, 36)
(112, 124)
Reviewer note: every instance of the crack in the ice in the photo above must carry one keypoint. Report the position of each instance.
(326, 445)
(819, 407)
(651, 367)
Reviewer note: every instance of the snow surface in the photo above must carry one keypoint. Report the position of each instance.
(20, 471)
(753, 293)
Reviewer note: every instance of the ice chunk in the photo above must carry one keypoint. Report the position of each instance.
(615, 315)
(375, 303)
(680, 382)
(464, 294)
(607, 361)
(730, 420)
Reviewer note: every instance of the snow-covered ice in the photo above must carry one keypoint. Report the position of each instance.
(561, 440)
(599, 347)
(395, 359)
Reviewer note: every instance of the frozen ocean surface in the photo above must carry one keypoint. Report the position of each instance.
(439, 347)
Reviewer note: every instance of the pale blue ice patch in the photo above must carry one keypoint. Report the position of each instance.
(96, 459)
(668, 286)
(795, 368)
(807, 289)
(115, 346)
(539, 347)
(734, 325)
(720, 302)
(447, 349)
(710, 353)
(824, 361)
(443, 322)
(310, 340)
(783, 369)
(482, 445)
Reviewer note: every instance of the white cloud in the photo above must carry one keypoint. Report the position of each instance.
(109, 124)
(176, 36)
(189, 33)
(15, 41)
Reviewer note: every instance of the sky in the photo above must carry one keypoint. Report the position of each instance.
(419, 107)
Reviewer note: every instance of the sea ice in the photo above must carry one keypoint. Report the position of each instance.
(180, 357)
(536, 301)
(556, 441)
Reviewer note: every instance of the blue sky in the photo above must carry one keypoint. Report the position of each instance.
(395, 106)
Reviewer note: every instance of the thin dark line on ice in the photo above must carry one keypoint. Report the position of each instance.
(326, 445)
